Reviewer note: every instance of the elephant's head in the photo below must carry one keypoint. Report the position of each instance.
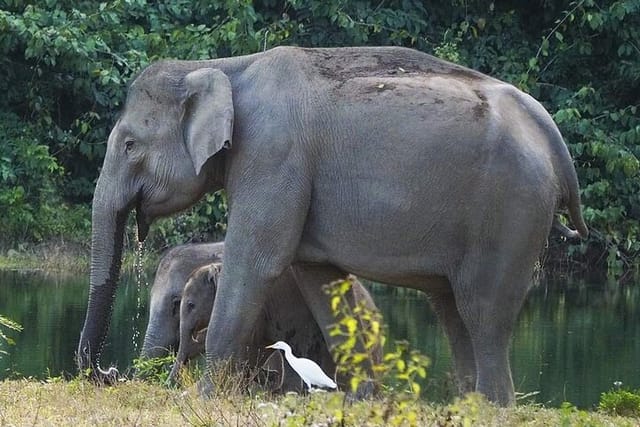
(195, 312)
(163, 330)
(175, 120)
(162, 334)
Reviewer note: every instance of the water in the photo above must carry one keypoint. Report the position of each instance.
(51, 310)
(140, 282)
(573, 340)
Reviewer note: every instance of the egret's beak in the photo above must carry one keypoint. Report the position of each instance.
(270, 346)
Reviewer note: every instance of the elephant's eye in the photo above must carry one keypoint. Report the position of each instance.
(190, 305)
(175, 307)
(128, 144)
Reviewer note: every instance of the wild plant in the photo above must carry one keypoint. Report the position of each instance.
(397, 375)
(155, 370)
(621, 402)
(11, 325)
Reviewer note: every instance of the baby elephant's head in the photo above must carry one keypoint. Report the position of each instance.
(195, 312)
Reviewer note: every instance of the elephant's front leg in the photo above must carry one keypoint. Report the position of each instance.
(259, 246)
(239, 302)
(311, 279)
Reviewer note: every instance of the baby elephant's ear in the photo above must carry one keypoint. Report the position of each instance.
(207, 114)
(214, 272)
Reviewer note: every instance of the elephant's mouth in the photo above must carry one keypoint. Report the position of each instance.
(199, 334)
(142, 221)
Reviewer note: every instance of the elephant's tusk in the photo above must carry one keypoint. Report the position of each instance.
(197, 333)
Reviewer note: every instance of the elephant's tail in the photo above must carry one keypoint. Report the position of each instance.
(566, 231)
(575, 213)
(564, 168)
(570, 199)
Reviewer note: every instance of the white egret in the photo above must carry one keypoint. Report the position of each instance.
(309, 371)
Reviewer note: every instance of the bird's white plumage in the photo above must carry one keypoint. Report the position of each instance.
(309, 371)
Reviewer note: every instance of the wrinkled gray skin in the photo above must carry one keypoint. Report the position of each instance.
(384, 162)
(284, 317)
(162, 335)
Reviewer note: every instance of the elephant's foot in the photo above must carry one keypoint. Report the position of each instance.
(222, 379)
(205, 386)
(496, 384)
(174, 376)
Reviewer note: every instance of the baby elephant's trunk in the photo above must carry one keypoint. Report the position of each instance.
(174, 376)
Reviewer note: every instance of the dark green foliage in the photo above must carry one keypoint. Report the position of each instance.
(205, 222)
(66, 66)
(29, 181)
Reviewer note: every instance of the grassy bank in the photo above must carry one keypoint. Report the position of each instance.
(80, 403)
(54, 256)
(58, 256)
(64, 257)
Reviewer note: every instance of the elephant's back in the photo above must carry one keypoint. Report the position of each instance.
(339, 64)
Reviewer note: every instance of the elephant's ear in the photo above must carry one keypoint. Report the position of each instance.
(214, 271)
(207, 115)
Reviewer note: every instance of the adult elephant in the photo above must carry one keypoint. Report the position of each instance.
(383, 162)
(163, 330)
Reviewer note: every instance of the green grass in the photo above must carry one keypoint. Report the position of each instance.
(80, 403)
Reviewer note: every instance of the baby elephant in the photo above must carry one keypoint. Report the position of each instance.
(285, 317)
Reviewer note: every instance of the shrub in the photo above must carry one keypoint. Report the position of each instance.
(625, 403)
(8, 324)
(155, 370)
(362, 331)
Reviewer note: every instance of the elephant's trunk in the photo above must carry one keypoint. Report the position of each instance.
(153, 345)
(108, 225)
(182, 358)
(174, 376)
(191, 345)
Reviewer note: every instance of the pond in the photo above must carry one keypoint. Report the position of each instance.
(574, 339)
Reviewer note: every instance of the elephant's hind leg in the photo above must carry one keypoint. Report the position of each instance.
(489, 295)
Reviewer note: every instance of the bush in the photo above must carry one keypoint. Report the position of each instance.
(206, 221)
(361, 331)
(620, 402)
(8, 324)
(155, 370)
(29, 178)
